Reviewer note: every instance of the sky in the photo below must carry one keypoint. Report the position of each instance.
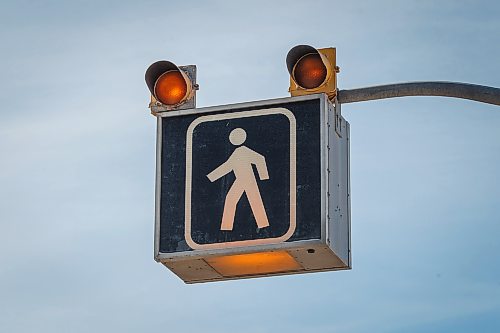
(77, 165)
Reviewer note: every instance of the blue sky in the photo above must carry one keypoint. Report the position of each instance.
(78, 155)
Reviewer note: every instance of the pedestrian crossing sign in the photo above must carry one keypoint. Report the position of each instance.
(249, 197)
(249, 183)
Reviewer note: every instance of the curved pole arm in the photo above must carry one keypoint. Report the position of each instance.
(473, 92)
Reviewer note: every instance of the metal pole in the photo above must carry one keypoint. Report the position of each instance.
(473, 92)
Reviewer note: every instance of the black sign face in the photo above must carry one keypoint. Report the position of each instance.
(240, 189)
(240, 177)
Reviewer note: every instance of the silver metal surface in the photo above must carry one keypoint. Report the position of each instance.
(266, 102)
(238, 250)
(348, 144)
(157, 187)
(474, 92)
(339, 189)
(324, 130)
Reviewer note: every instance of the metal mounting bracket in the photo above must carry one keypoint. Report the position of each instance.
(338, 117)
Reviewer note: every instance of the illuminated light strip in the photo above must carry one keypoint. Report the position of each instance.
(254, 264)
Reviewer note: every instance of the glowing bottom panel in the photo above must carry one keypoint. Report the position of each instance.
(254, 263)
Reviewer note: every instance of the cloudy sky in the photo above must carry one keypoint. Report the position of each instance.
(77, 163)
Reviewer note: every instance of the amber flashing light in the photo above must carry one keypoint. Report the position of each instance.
(171, 88)
(310, 72)
(254, 264)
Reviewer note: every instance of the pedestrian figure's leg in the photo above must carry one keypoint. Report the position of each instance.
(257, 205)
(233, 196)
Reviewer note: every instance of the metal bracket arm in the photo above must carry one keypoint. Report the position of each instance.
(484, 94)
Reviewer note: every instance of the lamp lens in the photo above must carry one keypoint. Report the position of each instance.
(310, 71)
(170, 88)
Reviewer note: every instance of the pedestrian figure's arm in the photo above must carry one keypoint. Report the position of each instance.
(260, 163)
(220, 171)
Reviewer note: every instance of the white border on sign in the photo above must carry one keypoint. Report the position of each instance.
(189, 160)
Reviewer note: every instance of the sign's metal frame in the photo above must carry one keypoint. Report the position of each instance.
(328, 127)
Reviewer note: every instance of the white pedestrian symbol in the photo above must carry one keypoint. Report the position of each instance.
(240, 162)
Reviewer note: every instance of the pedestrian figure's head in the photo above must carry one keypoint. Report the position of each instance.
(237, 136)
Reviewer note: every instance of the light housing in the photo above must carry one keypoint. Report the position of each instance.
(312, 71)
(171, 87)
